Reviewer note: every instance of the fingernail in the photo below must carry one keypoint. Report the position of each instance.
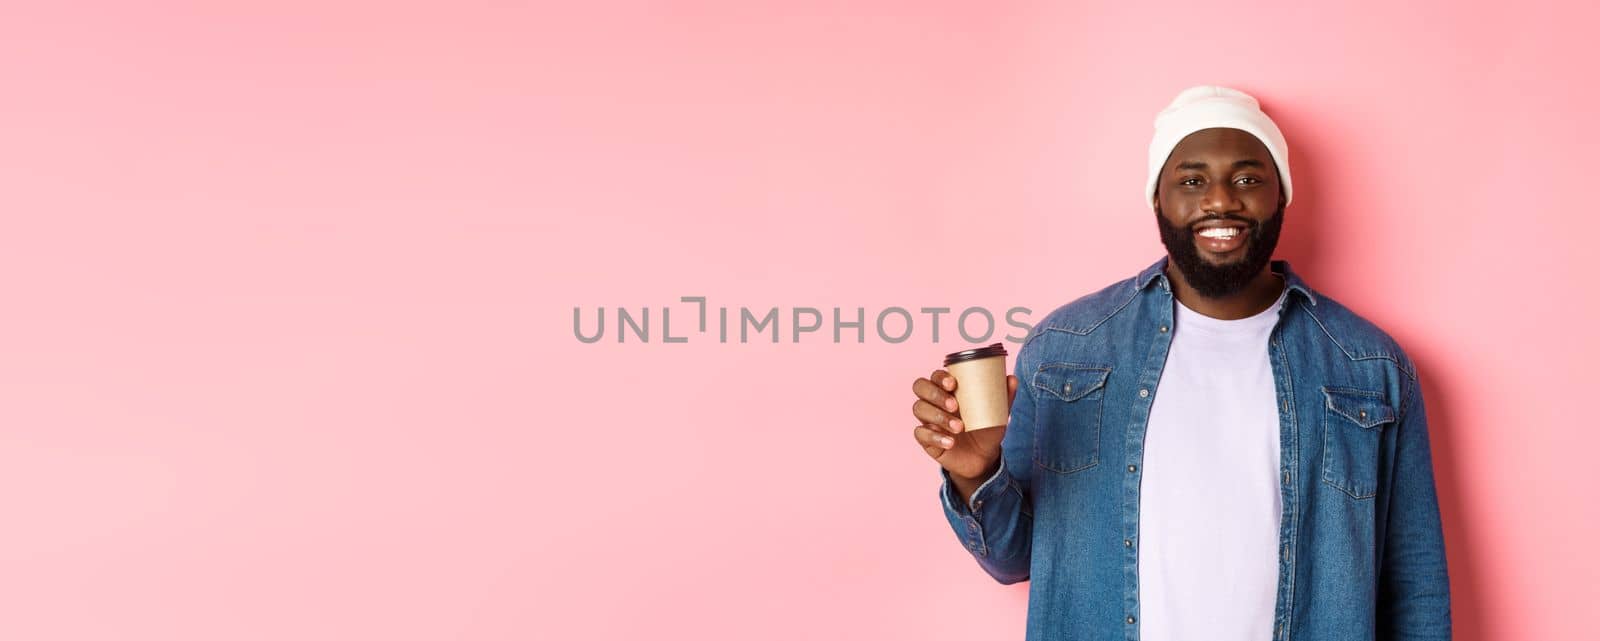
(948, 383)
(947, 441)
(956, 424)
(950, 404)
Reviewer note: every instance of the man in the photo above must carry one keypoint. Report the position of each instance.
(1211, 449)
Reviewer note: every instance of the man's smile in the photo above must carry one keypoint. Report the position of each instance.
(1221, 238)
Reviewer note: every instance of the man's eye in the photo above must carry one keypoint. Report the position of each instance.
(1248, 180)
(1189, 182)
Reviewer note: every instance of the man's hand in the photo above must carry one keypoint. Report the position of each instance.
(970, 457)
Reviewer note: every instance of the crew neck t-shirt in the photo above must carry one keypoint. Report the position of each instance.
(1209, 503)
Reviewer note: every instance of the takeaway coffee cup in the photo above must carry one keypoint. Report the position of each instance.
(980, 386)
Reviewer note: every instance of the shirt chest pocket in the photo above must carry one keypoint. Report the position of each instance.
(1353, 421)
(1069, 399)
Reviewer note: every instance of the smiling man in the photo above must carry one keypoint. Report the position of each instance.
(1210, 449)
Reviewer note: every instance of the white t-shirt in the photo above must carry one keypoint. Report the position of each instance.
(1209, 504)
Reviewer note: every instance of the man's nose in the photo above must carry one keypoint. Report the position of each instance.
(1220, 198)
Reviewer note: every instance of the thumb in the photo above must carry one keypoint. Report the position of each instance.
(1011, 389)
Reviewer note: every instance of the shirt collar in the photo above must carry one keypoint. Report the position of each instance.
(1157, 272)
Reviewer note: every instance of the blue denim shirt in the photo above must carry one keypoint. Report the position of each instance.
(1361, 548)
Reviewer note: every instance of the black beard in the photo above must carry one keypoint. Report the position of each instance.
(1220, 281)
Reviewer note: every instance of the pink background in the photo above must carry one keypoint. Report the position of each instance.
(288, 354)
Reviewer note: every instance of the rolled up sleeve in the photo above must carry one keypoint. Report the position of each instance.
(997, 526)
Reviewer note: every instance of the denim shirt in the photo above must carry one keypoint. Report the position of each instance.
(1361, 552)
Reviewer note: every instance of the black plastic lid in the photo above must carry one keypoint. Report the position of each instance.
(995, 349)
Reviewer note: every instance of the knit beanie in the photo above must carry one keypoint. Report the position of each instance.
(1209, 106)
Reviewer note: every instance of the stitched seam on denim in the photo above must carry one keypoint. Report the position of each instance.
(1403, 367)
(1100, 381)
(998, 473)
(983, 545)
(1294, 504)
(945, 495)
(1090, 329)
(1412, 387)
(1032, 336)
(1022, 499)
(971, 517)
(1379, 418)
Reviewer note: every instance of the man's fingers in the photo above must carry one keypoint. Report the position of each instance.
(1011, 388)
(947, 383)
(932, 440)
(927, 413)
(930, 391)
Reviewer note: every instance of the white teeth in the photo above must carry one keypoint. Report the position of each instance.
(1219, 232)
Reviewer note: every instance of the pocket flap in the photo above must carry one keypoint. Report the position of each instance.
(1070, 381)
(1364, 408)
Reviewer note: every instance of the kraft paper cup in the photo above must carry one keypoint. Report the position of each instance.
(980, 386)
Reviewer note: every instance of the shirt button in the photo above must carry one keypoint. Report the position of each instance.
(1127, 543)
(1143, 393)
(1363, 413)
(1066, 389)
(1132, 468)
(1130, 619)
(1163, 329)
(977, 504)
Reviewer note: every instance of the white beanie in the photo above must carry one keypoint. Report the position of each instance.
(1209, 106)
